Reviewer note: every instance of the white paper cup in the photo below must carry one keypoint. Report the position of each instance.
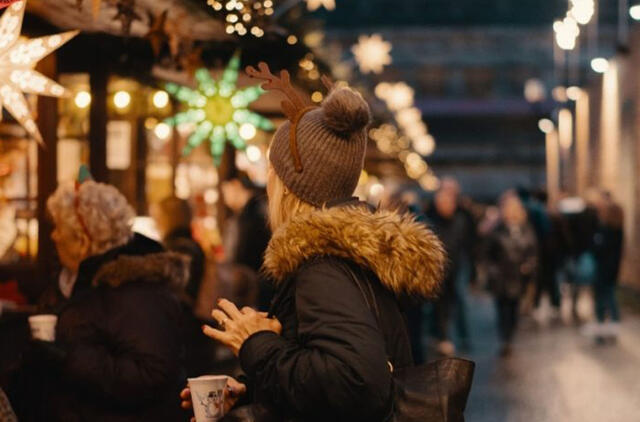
(207, 395)
(43, 327)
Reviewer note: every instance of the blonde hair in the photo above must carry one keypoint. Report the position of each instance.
(95, 210)
(283, 204)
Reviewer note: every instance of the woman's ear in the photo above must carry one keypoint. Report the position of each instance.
(85, 246)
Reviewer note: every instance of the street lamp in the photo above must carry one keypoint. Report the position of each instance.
(634, 12)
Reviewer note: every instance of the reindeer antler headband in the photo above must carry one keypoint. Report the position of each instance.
(294, 107)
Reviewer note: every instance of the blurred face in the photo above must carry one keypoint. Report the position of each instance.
(513, 213)
(234, 195)
(72, 247)
(446, 203)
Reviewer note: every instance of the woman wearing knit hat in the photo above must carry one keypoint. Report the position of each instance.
(335, 331)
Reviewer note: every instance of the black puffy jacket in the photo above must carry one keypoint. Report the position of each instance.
(332, 360)
(121, 332)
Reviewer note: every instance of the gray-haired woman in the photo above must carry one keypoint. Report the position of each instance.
(118, 343)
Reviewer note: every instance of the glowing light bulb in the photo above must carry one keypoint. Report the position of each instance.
(247, 131)
(546, 126)
(292, 39)
(634, 12)
(600, 64)
(376, 189)
(317, 97)
(160, 99)
(573, 93)
(162, 131)
(253, 153)
(82, 99)
(122, 99)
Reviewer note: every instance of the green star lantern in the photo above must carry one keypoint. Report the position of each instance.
(219, 110)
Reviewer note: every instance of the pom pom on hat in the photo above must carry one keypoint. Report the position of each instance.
(345, 111)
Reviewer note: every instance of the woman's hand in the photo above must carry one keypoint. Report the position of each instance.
(238, 325)
(234, 391)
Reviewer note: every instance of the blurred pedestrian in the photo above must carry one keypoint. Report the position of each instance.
(117, 354)
(173, 218)
(246, 232)
(609, 240)
(580, 219)
(540, 220)
(466, 266)
(451, 229)
(512, 261)
(339, 266)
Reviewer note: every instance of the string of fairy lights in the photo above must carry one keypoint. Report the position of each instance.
(217, 111)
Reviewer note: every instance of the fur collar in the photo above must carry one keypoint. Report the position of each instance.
(165, 267)
(405, 255)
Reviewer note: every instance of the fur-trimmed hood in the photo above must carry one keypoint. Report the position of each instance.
(405, 255)
(163, 267)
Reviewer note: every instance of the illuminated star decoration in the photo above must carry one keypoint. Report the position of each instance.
(372, 53)
(219, 110)
(18, 57)
(316, 4)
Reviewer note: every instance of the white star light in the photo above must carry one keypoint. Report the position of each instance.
(372, 53)
(18, 57)
(316, 4)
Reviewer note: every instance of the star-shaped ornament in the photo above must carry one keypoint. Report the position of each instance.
(157, 34)
(372, 53)
(219, 111)
(316, 4)
(18, 58)
(126, 15)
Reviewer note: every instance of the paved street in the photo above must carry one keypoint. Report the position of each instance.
(555, 374)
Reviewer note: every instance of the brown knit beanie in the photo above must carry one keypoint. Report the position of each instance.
(331, 142)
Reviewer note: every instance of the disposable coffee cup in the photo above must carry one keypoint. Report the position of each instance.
(43, 327)
(207, 395)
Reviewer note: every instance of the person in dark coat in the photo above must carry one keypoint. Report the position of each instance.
(451, 228)
(609, 241)
(247, 233)
(117, 354)
(173, 218)
(325, 355)
(512, 257)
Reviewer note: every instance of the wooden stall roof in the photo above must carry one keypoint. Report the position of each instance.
(191, 17)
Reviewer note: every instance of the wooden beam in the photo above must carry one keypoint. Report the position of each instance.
(47, 174)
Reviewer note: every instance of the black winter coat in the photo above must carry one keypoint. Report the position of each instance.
(332, 361)
(512, 258)
(121, 333)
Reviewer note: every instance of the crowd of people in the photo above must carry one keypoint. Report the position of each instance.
(521, 250)
(317, 298)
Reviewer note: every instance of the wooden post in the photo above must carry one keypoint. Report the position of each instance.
(47, 172)
(582, 143)
(553, 167)
(98, 78)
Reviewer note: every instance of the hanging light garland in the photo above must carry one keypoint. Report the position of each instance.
(18, 57)
(244, 16)
(219, 110)
(415, 142)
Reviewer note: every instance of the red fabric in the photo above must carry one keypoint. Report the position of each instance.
(10, 291)
(6, 3)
